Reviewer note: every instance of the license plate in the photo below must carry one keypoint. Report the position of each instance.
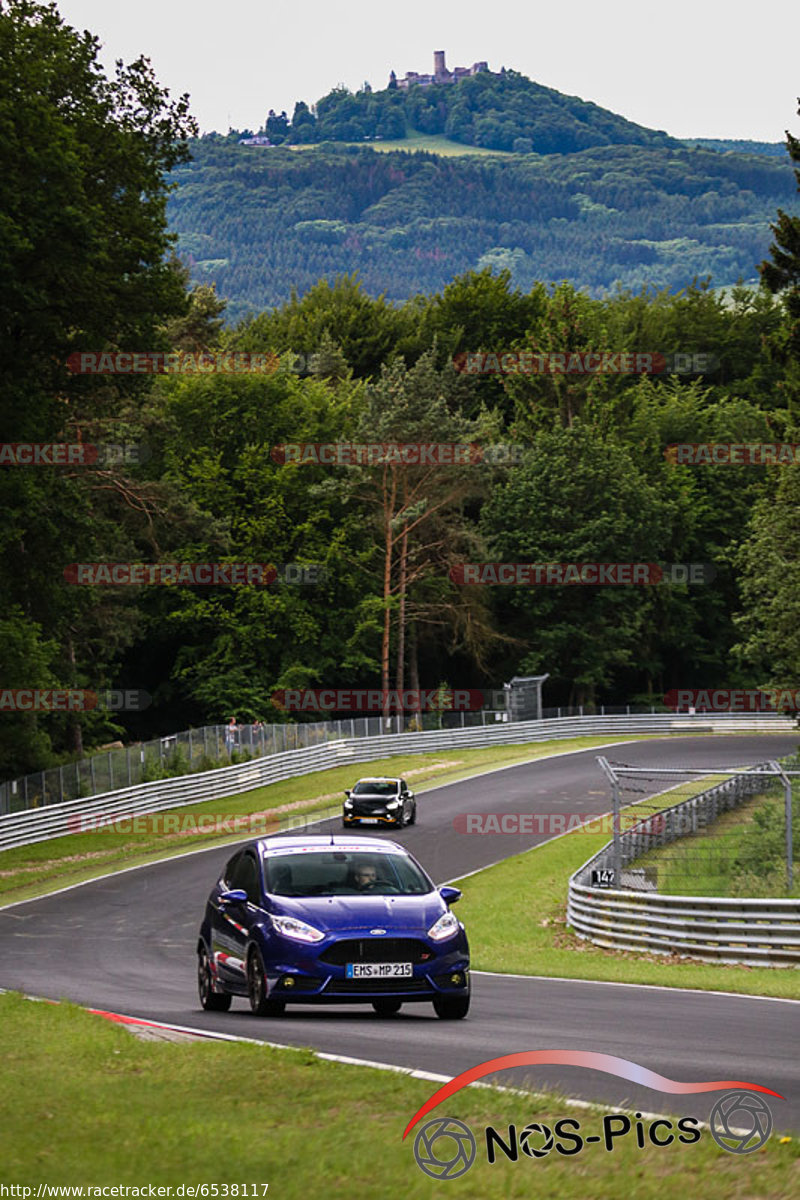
(369, 820)
(378, 970)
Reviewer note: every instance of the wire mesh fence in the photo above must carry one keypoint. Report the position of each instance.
(724, 832)
(204, 749)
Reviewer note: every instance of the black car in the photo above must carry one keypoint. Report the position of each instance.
(379, 802)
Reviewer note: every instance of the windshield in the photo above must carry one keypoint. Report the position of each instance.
(344, 873)
(375, 787)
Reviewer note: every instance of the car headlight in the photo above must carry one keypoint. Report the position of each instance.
(291, 927)
(348, 803)
(445, 927)
(393, 804)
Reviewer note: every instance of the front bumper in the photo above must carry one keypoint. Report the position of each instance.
(371, 818)
(312, 981)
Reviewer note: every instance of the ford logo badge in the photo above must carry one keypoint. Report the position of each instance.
(377, 931)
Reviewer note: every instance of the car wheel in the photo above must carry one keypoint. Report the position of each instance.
(261, 1005)
(451, 1008)
(210, 1000)
(412, 820)
(386, 1007)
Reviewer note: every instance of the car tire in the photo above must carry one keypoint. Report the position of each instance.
(210, 1000)
(451, 1008)
(387, 1007)
(412, 820)
(260, 1003)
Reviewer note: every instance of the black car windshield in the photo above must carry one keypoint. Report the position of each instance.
(344, 873)
(375, 787)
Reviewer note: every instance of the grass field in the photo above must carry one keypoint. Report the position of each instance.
(705, 863)
(85, 1103)
(34, 870)
(435, 143)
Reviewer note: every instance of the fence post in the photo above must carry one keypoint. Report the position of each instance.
(787, 796)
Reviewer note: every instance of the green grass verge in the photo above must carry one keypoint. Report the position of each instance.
(45, 866)
(515, 915)
(740, 855)
(84, 1103)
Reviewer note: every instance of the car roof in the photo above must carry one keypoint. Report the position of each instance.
(300, 845)
(380, 779)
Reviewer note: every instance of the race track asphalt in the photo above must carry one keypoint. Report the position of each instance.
(127, 944)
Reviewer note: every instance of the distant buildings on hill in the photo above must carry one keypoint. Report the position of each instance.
(258, 140)
(440, 73)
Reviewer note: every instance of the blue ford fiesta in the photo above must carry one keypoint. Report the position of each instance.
(331, 920)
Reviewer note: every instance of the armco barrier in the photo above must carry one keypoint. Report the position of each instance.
(754, 932)
(53, 820)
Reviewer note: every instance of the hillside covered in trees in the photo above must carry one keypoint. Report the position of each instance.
(88, 267)
(260, 222)
(497, 110)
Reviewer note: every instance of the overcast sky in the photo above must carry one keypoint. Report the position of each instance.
(695, 68)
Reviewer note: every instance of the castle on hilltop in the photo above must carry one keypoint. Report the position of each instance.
(440, 73)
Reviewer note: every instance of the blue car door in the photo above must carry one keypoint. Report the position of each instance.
(231, 921)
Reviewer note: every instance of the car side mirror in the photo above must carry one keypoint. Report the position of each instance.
(450, 894)
(347, 792)
(234, 896)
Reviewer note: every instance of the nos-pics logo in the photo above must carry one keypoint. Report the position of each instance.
(445, 1148)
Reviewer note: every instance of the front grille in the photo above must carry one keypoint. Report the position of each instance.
(376, 949)
(369, 809)
(354, 987)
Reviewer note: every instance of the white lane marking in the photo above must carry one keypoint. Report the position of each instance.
(240, 841)
(347, 1060)
(653, 987)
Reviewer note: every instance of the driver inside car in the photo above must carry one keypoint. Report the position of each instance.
(364, 877)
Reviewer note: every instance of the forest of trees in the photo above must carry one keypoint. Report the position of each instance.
(87, 267)
(259, 222)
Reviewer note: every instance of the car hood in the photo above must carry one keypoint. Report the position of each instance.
(341, 914)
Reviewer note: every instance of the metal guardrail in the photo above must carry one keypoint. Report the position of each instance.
(756, 932)
(58, 820)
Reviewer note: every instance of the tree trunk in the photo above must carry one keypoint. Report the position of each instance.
(401, 615)
(388, 513)
(413, 658)
(74, 731)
